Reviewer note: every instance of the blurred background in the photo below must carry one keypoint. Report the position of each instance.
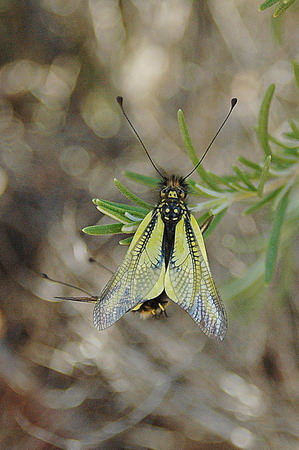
(140, 384)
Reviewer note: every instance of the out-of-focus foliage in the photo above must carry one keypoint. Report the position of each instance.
(283, 5)
(158, 383)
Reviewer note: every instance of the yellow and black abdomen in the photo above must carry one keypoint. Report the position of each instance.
(171, 211)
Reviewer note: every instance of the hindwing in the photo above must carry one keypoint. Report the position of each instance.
(139, 278)
(188, 280)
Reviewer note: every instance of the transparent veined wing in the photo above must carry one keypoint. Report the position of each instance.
(188, 280)
(139, 278)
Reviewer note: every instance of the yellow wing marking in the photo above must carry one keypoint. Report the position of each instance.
(139, 278)
(188, 280)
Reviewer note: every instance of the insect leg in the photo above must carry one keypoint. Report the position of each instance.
(204, 226)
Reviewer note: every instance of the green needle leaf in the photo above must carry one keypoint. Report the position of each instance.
(284, 5)
(267, 4)
(271, 256)
(262, 130)
(250, 164)
(215, 222)
(262, 202)
(126, 241)
(186, 138)
(295, 129)
(244, 177)
(143, 179)
(96, 230)
(142, 212)
(290, 148)
(264, 176)
(191, 151)
(134, 199)
(206, 192)
(200, 220)
(111, 210)
(296, 72)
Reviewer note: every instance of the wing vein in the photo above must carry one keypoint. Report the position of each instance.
(189, 282)
(139, 278)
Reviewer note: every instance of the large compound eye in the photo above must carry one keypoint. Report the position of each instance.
(182, 193)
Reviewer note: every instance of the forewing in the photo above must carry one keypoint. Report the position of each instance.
(189, 282)
(139, 278)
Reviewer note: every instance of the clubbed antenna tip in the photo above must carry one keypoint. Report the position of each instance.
(120, 100)
(233, 103)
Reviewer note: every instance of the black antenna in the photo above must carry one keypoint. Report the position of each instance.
(93, 260)
(44, 275)
(233, 104)
(120, 101)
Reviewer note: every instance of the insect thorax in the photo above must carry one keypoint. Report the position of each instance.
(173, 194)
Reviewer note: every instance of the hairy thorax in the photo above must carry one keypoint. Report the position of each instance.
(172, 199)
